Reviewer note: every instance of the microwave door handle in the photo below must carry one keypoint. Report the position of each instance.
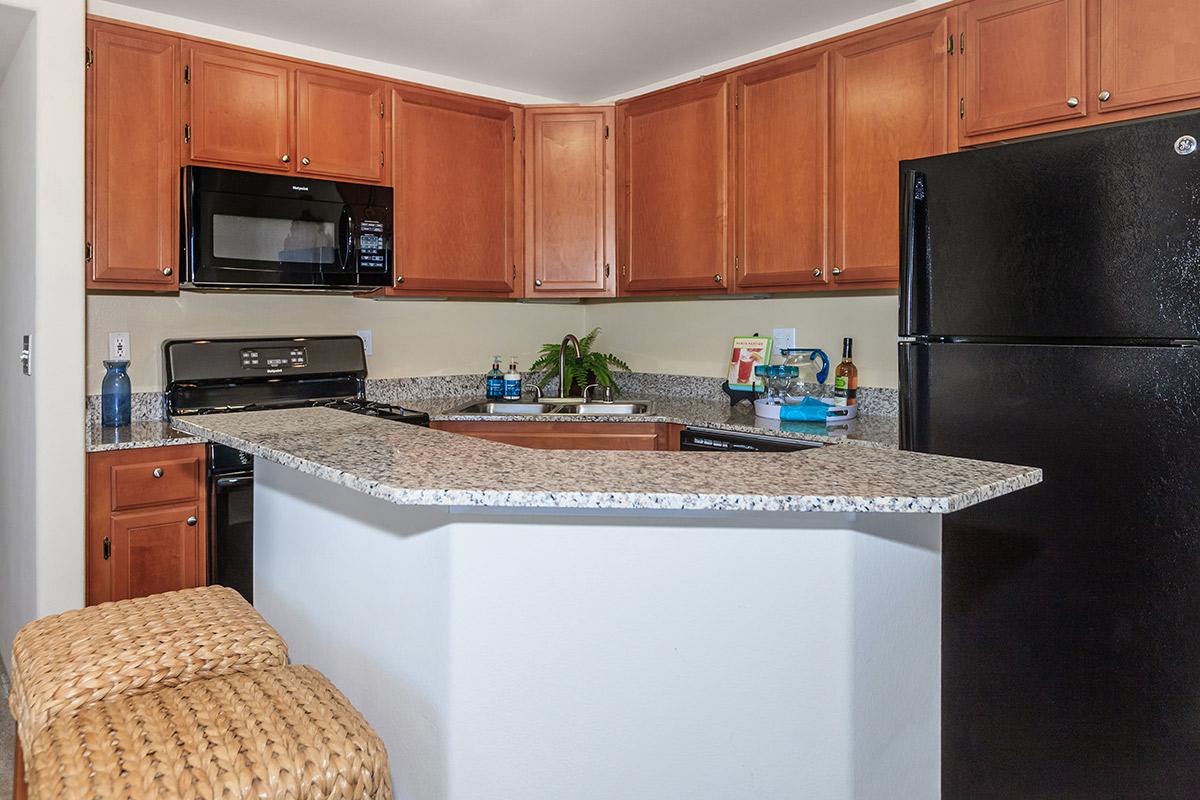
(346, 235)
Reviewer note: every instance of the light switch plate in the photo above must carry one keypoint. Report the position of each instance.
(118, 346)
(365, 335)
(782, 339)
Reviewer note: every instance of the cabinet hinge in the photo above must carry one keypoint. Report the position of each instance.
(187, 73)
(962, 107)
(624, 270)
(950, 44)
(87, 251)
(514, 272)
(737, 98)
(962, 43)
(605, 131)
(381, 109)
(88, 57)
(607, 270)
(187, 132)
(107, 548)
(381, 158)
(514, 132)
(735, 264)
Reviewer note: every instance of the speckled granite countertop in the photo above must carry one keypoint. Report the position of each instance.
(154, 433)
(879, 431)
(409, 465)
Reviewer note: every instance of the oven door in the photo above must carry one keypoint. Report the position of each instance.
(231, 534)
(278, 231)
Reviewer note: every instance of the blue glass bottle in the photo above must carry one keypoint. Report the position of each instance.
(114, 395)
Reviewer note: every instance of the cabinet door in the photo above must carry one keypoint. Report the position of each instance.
(455, 195)
(1022, 64)
(133, 136)
(674, 164)
(157, 550)
(891, 102)
(240, 109)
(782, 113)
(571, 435)
(339, 125)
(570, 202)
(1149, 52)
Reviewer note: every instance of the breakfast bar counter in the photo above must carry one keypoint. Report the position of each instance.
(584, 624)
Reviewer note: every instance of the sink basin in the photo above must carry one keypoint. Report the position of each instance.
(606, 408)
(506, 408)
(565, 406)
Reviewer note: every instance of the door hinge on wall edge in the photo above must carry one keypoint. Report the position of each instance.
(88, 57)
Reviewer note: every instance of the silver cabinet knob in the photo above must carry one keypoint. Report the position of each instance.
(399, 279)
(168, 271)
(285, 158)
(816, 272)
(158, 472)
(837, 270)
(1072, 102)
(1104, 95)
(717, 278)
(191, 521)
(305, 161)
(537, 282)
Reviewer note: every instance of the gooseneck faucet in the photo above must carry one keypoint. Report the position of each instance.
(569, 339)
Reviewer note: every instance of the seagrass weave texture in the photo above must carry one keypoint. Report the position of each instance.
(62, 663)
(284, 732)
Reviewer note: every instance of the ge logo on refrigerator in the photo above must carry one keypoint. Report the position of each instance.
(1185, 145)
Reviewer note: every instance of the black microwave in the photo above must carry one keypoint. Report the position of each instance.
(251, 231)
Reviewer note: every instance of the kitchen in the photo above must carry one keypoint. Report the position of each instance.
(672, 218)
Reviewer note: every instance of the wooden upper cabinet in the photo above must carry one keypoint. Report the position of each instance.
(1149, 52)
(454, 173)
(339, 125)
(240, 109)
(570, 194)
(782, 145)
(133, 140)
(1022, 64)
(892, 90)
(673, 164)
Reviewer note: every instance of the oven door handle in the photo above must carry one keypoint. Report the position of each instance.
(234, 481)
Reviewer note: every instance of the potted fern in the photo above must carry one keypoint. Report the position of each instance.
(591, 367)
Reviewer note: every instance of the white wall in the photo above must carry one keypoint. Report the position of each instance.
(18, 549)
(47, 200)
(693, 337)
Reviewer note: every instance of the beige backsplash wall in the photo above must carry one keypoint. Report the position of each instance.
(416, 337)
(411, 337)
(693, 337)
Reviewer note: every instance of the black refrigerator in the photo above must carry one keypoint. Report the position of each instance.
(1050, 316)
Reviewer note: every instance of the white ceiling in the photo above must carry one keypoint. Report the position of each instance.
(571, 50)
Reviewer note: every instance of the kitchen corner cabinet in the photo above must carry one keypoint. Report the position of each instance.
(456, 182)
(571, 435)
(891, 101)
(1149, 53)
(570, 202)
(674, 190)
(132, 143)
(147, 516)
(781, 169)
(1022, 64)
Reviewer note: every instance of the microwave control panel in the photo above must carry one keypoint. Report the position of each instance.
(372, 250)
(274, 358)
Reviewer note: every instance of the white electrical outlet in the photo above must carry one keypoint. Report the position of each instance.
(366, 337)
(118, 346)
(782, 339)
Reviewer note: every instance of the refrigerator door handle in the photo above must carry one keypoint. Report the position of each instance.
(908, 390)
(912, 249)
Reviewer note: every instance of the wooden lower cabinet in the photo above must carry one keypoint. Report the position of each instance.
(571, 435)
(147, 522)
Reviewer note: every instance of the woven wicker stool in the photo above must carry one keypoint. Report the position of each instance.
(181, 695)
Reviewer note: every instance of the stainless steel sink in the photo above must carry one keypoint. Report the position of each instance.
(569, 406)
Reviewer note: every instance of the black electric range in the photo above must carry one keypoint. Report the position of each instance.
(214, 376)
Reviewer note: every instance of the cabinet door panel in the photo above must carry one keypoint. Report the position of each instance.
(675, 190)
(891, 90)
(1022, 63)
(569, 202)
(782, 161)
(1149, 52)
(240, 109)
(571, 435)
(339, 125)
(454, 193)
(155, 551)
(133, 160)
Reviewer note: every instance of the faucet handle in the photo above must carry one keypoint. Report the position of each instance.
(606, 392)
(537, 391)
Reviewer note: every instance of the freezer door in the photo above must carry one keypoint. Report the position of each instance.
(1092, 234)
(1071, 610)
